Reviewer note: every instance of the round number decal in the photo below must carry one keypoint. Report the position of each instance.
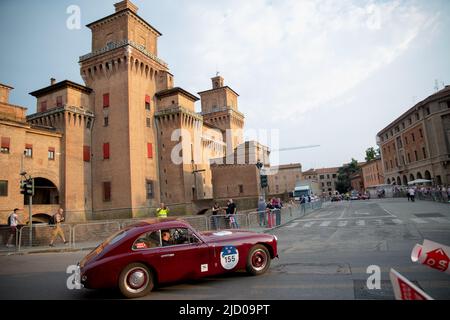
(229, 257)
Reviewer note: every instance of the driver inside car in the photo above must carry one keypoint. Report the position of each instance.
(166, 238)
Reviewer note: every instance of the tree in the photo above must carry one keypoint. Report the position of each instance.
(343, 184)
(372, 153)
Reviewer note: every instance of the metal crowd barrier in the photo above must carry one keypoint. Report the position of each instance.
(92, 234)
(42, 234)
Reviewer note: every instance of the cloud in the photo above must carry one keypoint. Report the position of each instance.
(299, 55)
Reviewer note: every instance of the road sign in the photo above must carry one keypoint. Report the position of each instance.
(432, 254)
(405, 289)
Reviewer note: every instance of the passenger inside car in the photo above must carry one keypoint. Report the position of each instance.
(149, 240)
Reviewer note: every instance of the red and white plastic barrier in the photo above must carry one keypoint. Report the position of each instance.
(405, 289)
(433, 255)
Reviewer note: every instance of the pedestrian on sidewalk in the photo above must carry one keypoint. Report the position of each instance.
(162, 211)
(303, 204)
(412, 193)
(56, 221)
(231, 214)
(13, 222)
(215, 211)
(262, 212)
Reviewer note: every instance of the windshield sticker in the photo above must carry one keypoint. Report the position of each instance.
(229, 257)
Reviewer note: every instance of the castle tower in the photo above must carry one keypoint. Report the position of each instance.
(125, 73)
(65, 106)
(220, 109)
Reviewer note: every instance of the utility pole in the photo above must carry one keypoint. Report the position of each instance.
(27, 189)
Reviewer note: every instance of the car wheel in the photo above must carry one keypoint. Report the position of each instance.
(136, 280)
(258, 260)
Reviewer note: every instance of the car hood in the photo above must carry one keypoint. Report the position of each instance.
(232, 235)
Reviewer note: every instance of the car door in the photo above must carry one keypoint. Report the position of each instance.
(185, 259)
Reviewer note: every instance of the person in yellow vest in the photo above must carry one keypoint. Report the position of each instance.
(162, 211)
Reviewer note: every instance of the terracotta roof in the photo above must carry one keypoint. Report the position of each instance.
(58, 86)
(169, 92)
(227, 87)
(122, 11)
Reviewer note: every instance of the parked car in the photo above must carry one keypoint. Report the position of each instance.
(365, 196)
(139, 257)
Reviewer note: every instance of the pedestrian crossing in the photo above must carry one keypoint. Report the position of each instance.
(341, 223)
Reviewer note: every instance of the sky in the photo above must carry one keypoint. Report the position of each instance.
(322, 72)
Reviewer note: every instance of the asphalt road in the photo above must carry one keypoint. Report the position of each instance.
(324, 255)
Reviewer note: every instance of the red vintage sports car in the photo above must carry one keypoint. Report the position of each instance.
(159, 251)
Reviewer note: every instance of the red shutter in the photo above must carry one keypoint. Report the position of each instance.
(28, 146)
(5, 142)
(43, 106)
(59, 101)
(106, 151)
(51, 149)
(149, 150)
(147, 98)
(106, 100)
(86, 153)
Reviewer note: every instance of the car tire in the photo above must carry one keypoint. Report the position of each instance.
(136, 280)
(258, 260)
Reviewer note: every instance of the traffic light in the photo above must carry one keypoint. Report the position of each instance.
(23, 187)
(264, 181)
(27, 187)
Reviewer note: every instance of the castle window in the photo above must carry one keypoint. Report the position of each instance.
(241, 188)
(51, 153)
(413, 138)
(105, 121)
(415, 154)
(29, 150)
(147, 102)
(148, 122)
(3, 188)
(59, 101)
(424, 153)
(5, 145)
(86, 153)
(106, 100)
(44, 106)
(106, 150)
(149, 189)
(106, 191)
(421, 133)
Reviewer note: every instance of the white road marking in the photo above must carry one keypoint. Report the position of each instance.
(342, 223)
(309, 224)
(292, 225)
(325, 223)
(379, 222)
(397, 221)
(389, 213)
(349, 218)
(363, 213)
(441, 220)
(418, 220)
(360, 223)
